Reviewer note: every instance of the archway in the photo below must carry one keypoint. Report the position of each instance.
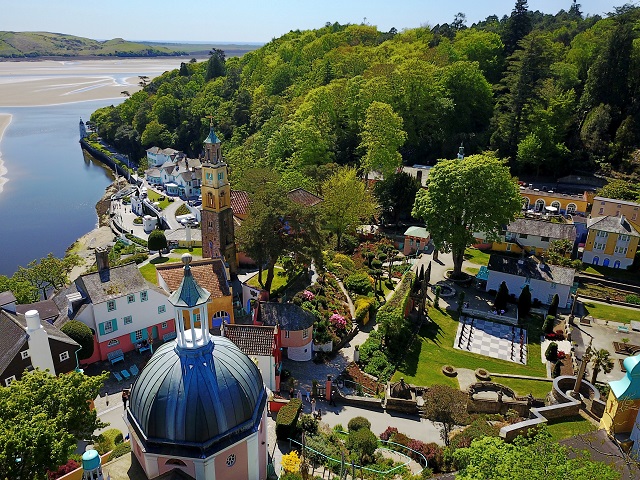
(571, 208)
(595, 261)
(525, 203)
(540, 205)
(616, 264)
(605, 263)
(556, 204)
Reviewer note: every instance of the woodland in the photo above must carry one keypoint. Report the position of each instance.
(553, 94)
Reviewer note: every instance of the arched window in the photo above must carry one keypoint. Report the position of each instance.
(175, 462)
(596, 260)
(540, 205)
(605, 263)
(210, 201)
(616, 264)
(556, 204)
(219, 317)
(525, 203)
(571, 208)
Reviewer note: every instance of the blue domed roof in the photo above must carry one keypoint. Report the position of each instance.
(197, 397)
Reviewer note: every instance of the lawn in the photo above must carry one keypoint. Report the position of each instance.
(611, 312)
(279, 279)
(479, 257)
(569, 427)
(155, 197)
(434, 348)
(196, 252)
(148, 271)
(615, 273)
(525, 387)
(471, 270)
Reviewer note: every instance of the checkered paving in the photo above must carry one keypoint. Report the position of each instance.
(492, 339)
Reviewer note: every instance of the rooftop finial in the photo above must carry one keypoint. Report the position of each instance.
(186, 259)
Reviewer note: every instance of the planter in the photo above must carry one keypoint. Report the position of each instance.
(482, 375)
(449, 371)
(323, 347)
(276, 404)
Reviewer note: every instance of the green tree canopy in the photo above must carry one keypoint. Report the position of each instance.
(396, 194)
(49, 273)
(476, 194)
(157, 241)
(82, 334)
(42, 418)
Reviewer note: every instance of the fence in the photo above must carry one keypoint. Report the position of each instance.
(470, 312)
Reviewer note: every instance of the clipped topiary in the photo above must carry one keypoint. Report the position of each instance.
(549, 323)
(287, 419)
(82, 334)
(356, 423)
(551, 354)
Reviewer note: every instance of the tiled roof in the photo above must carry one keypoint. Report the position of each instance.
(544, 193)
(419, 232)
(612, 224)
(531, 267)
(543, 228)
(53, 332)
(115, 282)
(287, 316)
(240, 202)
(153, 172)
(7, 297)
(12, 338)
(613, 200)
(304, 197)
(209, 273)
(46, 308)
(251, 339)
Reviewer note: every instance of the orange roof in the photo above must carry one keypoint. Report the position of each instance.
(209, 273)
(240, 202)
(304, 197)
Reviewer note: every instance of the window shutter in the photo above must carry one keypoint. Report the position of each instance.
(145, 334)
(132, 335)
(101, 328)
(114, 323)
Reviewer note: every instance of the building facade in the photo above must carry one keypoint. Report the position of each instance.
(603, 206)
(534, 236)
(567, 204)
(611, 242)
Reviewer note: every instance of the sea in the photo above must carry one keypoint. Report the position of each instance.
(49, 199)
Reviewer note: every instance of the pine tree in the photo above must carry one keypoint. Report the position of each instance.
(518, 26)
(502, 296)
(524, 301)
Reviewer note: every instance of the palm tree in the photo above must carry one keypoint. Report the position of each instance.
(600, 360)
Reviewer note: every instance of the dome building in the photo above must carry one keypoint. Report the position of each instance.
(199, 405)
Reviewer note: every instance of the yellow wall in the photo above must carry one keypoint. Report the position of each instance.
(633, 247)
(581, 205)
(213, 306)
(502, 247)
(612, 239)
(619, 417)
(632, 212)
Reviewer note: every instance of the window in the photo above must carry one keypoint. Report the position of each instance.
(231, 460)
(523, 235)
(571, 208)
(601, 203)
(162, 309)
(113, 343)
(24, 354)
(286, 334)
(196, 319)
(221, 176)
(64, 356)
(143, 296)
(209, 176)
(164, 325)
(111, 305)
(624, 238)
(138, 335)
(305, 333)
(7, 381)
(107, 327)
(544, 239)
(128, 320)
(601, 211)
(131, 298)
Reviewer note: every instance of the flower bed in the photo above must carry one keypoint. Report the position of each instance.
(482, 375)
(449, 371)
(352, 372)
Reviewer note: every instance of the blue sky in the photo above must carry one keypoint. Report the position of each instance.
(248, 20)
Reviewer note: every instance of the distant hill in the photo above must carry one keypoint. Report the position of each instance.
(45, 44)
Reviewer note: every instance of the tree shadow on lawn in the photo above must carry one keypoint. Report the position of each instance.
(159, 260)
(411, 360)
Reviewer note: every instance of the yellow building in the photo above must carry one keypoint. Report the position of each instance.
(611, 242)
(610, 206)
(623, 402)
(536, 199)
(212, 275)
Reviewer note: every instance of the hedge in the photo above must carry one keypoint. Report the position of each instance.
(82, 334)
(363, 305)
(137, 240)
(287, 419)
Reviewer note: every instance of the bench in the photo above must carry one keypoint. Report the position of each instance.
(143, 346)
(623, 329)
(169, 336)
(115, 356)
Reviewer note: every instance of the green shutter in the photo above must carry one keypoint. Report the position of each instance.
(114, 322)
(101, 328)
(145, 334)
(133, 337)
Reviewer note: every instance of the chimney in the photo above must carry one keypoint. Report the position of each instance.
(102, 259)
(622, 220)
(39, 349)
(72, 301)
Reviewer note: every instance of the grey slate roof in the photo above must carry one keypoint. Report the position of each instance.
(612, 225)
(287, 316)
(613, 200)
(6, 297)
(118, 281)
(12, 338)
(531, 267)
(542, 228)
(197, 398)
(46, 308)
(251, 339)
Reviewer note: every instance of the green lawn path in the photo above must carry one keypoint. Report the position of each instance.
(611, 312)
(148, 271)
(479, 257)
(433, 348)
(568, 427)
(279, 279)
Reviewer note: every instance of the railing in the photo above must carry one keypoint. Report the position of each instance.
(470, 312)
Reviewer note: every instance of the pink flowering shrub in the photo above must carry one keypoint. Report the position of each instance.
(307, 295)
(338, 321)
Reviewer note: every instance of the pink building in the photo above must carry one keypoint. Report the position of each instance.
(416, 240)
(295, 328)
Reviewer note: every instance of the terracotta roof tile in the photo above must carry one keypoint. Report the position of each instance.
(251, 339)
(304, 197)
(240, 202)
(209, 273)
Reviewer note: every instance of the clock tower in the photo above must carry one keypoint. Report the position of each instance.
(218, 237)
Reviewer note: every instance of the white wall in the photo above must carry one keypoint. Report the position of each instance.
(300, 354)
(539, 288)
(267, 367)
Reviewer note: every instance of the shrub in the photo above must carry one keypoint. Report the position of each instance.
(120, 450)
(291, 462)
(553, 308)
(433, 453)
(363, 305)
(157, 240)
(632, 299)
(309, 424)
(287, 419)
(362, 443)
(106, 440)
(344, 261)
(551, 354)
(82, 334)
(62, 470)
(401, 439)
(338, 321)
(137, 240)
(356, 423)
(549, 323)
(388, 433)
(137, 221)
(557, 368)
(359, 283)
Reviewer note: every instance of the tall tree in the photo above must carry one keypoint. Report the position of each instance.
(42, 418)
(157, 241)
(524, 302)
(49, 273)
(396, 194)
(476, 194)
(382, 136)
(346, 203)
(447, 406)
(535, 457)
(518, 26)
(600, 361)
(215, 64)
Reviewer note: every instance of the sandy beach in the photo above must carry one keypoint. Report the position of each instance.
(5, 120)
(50, 82)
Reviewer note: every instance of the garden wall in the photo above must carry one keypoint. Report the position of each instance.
(494, 407)
(362, 402)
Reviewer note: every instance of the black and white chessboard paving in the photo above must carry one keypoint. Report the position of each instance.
(492, 339)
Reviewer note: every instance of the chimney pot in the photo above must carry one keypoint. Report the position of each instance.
(33, 320)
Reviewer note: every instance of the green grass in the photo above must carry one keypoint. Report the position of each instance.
(611, 312)
(569, 427)
(525, 387)
(155, 197)
(148, 271)
(471, 270)
(279, 279)
(434, 348)
(616, 273)
(479, 257)
(195, 251)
